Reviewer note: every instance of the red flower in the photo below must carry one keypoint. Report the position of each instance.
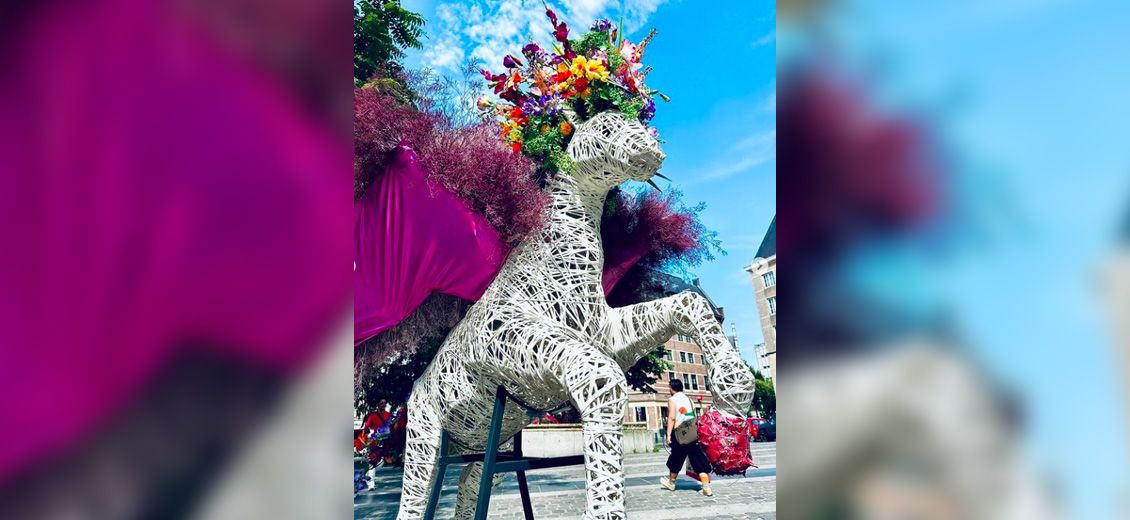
(581, 84)
(561, 34)
(516, 147)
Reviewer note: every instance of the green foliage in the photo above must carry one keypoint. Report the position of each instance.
(542, 137)
(393, 88)
(594, 41)
(647, 370)
(764, 398)
(381, 32)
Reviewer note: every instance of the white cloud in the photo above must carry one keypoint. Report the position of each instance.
(446, 53)
(765, 39)
(753, 150)
(490, 30)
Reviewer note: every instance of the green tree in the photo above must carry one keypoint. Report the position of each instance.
(393, 381)
(764, 397)
(647, 370)
(382, 30)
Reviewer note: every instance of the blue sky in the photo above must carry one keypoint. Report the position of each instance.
(718, 67)
(1033, 95)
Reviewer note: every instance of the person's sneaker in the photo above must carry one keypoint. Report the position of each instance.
(666, 482)
(706, 490)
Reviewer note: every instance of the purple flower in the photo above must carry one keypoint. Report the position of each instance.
(548, 104)
(511, 62)
(533, 52)
(531, 107)
(602, 24)
(648, 111)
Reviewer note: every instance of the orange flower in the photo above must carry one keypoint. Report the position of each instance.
(566, 128)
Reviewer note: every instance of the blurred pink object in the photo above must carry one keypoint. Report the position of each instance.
(158, 195)
(414, 237)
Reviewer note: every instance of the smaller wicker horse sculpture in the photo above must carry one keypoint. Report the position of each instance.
(544, 331)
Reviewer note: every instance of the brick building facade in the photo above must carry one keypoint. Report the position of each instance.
(687, 362)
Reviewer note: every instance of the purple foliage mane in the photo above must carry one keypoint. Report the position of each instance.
(469, 161)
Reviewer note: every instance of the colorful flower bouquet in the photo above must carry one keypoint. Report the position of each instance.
(543, 96)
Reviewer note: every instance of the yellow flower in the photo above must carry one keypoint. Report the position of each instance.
(544, 128)
(589, 69)
(578, 66)
(596, 70)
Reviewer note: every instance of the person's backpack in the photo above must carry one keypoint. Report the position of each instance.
(724, 439)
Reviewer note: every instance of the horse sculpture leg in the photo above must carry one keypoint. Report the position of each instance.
(421, 454)
(599, 389)
(469, 490)
(639, 329)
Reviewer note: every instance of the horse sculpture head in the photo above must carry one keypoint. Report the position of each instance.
(609, 149)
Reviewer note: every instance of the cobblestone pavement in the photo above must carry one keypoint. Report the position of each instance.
(560, 492)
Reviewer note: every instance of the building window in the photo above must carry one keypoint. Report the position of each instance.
(641, 414)
(694, 382)
(682, 357)
(773, 306)
(706, 383)
(663, 412)
(690, 358)
(670, 376)
(769, 279)
(670, 356)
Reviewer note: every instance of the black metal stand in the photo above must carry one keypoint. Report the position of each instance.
(495, 462)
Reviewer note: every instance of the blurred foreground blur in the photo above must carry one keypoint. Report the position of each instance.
(175, 221)
(950, 178)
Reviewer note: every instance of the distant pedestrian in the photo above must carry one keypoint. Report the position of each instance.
(681, 410)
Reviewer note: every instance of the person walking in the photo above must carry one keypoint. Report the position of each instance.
(680, 409)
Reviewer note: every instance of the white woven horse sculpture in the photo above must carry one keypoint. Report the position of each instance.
(544, 331)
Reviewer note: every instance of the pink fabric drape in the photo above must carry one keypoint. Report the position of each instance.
(413, 236)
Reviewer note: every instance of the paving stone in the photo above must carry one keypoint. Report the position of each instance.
(558, 493)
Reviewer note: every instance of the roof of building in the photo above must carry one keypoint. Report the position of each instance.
(769, 243)
(662, 284)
